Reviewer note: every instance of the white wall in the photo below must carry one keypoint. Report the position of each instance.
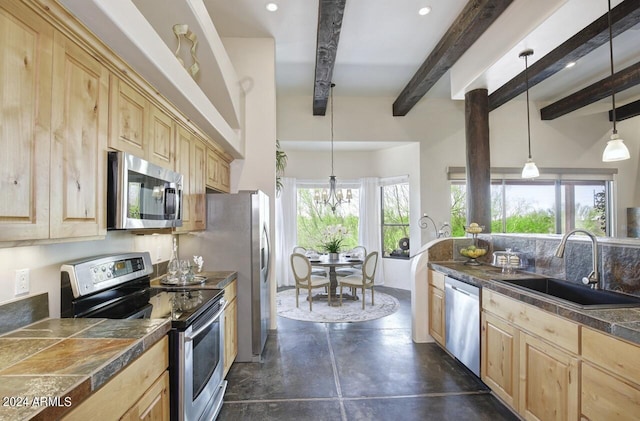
(44, 261)
(574, 140)
(254, 61)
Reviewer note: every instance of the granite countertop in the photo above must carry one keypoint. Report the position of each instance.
(63, 361)
(621, 322)
(215, 280)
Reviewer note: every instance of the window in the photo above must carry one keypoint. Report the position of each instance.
(395, 220)
(314, 218)
(540, 206)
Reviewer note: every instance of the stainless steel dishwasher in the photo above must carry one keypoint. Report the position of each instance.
(462, 322)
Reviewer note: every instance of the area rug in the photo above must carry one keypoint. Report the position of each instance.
(350, 311)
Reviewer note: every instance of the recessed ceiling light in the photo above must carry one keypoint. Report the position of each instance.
(272, 7)
(424, 10)
(570, 65)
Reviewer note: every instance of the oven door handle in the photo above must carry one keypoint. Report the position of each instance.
(193, 335)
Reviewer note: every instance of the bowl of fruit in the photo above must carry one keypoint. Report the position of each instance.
(473, 252)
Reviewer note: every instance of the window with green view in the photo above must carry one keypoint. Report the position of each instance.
(395, 220)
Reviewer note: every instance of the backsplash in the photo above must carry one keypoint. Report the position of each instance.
(23, 312)
(618, 259)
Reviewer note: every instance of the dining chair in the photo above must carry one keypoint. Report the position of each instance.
(305, 280)
(364, 280)
(307, 252)
(360, 251)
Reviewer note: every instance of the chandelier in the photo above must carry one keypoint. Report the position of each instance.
(334, 196)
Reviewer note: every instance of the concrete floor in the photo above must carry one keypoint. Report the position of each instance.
(356, 371)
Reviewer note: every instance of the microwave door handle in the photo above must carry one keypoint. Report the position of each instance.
(193, 335)
(176, 201)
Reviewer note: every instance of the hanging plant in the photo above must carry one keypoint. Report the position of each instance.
(281, 163)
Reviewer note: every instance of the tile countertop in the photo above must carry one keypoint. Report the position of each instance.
(621, 322)
(215, 280)
(63, 361)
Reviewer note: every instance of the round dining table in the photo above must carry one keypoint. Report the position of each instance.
(332, 264)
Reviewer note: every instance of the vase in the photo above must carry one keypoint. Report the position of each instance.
(333, 256)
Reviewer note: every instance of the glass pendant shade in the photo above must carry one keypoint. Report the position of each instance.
(530, 170)
(616, 150)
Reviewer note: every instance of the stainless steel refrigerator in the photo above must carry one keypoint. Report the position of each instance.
(237, 238)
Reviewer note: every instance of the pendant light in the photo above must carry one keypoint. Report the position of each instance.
(616, 150)
(334, 197)
(530, 170)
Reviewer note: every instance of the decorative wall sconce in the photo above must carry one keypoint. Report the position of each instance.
(182, 30)
(445, 228)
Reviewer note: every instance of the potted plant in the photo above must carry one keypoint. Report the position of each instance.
(281, 163)
(332, 239)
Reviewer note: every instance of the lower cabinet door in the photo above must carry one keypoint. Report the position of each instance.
(436, 314)
(548, 387)
(154, 404)
(605, 397)
(499, 358)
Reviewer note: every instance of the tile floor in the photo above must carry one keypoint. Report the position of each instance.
(356, 371)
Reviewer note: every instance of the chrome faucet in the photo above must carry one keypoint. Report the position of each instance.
(593, 279)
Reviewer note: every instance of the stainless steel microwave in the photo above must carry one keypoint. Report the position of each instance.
(141, 194)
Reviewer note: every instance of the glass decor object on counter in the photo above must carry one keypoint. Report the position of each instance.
(509, 260)
(174, 264)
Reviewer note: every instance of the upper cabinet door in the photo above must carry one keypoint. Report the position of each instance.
(25, 119)
(160, 147)
(129, 118)
(79, 129)
(183, 166)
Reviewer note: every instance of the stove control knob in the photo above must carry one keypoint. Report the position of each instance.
(109, 274)
(104, 268)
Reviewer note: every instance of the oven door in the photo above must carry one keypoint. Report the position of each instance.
(200, 378)
(141, 194)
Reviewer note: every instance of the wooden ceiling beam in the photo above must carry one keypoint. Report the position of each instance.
(330, 13)
(620, 81)
(476, 17)
(626, 111)
(624, 16)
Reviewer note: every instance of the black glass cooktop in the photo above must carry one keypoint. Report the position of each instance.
(183, 306)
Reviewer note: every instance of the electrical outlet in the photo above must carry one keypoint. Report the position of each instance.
(22, 281)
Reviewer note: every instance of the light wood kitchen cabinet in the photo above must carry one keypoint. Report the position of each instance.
(218, 176)
(139, 391)
(55, 122)
(190, 161)
(610, 380)
(26, 49)
(128, 118)
(230, 325)
(198, 183)
(79, 138)
(140, 127)
(530, 358)
(549, 380)
(153, 405)
(161, 143)
(436, 307)
(500, 358)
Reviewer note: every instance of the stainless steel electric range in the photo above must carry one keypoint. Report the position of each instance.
(118, 287)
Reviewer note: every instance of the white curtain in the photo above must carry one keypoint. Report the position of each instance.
(286, 233)
(369, 225)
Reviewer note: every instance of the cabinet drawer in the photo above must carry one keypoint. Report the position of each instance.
(230, 291)
(436, 279)
(612, 354)
(554, 329)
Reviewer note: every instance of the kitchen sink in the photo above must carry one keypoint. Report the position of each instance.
(574, 294)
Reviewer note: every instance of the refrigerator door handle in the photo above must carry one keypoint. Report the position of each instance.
(265, 234)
